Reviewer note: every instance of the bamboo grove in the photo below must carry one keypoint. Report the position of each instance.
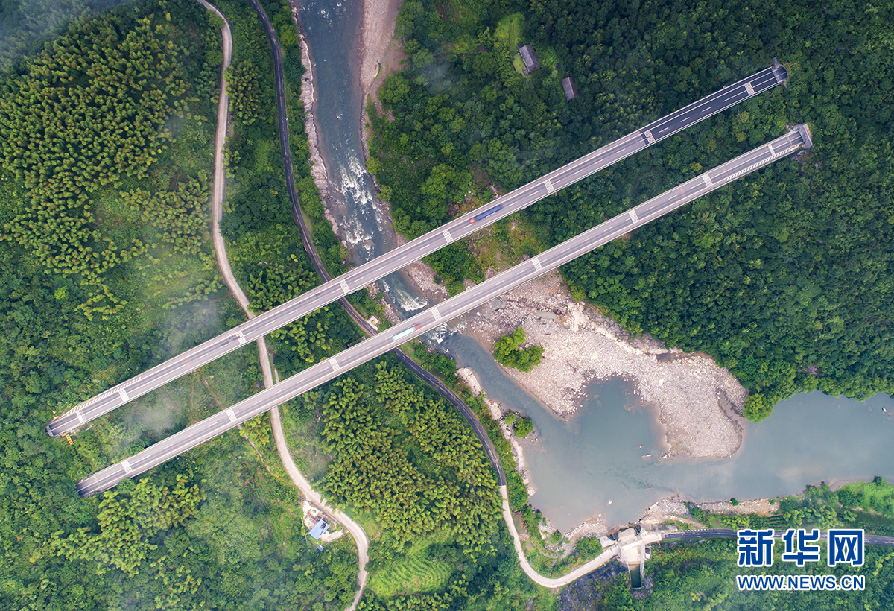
(86, 115)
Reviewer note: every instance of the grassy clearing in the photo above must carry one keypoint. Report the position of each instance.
(548, 60)
(420, 570)
(509, 30)
(504, 244)
(302, 431)
(162, 412)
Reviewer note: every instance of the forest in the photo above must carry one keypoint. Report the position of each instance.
(406, 465)
(781, 277)
(702, 575)
(106, 141)
(138, 86)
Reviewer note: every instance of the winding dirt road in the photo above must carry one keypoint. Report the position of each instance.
(299, 480)
(217, 194)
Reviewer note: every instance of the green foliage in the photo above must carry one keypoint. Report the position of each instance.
(164, 541)
(306, 339)
(86, 113)
(264, 244)
(243, 83)
(523, 427)
(698, 514)
(28, 24)
(589, 547)
(759, 274)
(434, 361)
(386, 443)
(508, 352)
(701, 575)
(421, 569)
(452, 263)
(127, 521)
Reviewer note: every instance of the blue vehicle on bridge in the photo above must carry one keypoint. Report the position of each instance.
(485, 214)
(404, 333)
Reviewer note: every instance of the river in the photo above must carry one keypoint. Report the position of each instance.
(601, 460)
(331, 29)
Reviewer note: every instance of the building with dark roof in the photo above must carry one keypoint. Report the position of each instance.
(568, 86)
(529, 58)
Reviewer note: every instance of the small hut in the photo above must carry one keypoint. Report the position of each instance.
(529, 58)
(319, 529)
(568, 86)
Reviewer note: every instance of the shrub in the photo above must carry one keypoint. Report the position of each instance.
(523, 427)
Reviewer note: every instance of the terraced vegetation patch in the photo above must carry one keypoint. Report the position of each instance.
(418, 571)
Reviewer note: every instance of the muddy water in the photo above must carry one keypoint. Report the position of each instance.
(601, 461)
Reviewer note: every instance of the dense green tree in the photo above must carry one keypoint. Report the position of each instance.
(760, 274)
(508, 352)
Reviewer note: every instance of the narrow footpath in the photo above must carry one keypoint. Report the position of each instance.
(282, 447)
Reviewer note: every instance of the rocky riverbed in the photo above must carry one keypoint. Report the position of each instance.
(698, 403)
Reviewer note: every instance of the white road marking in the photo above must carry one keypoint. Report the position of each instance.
(231, 414)
(772, 152)
(548, 183)
(537, 265)
(334, 363)
(81, 419)
(602, 157)
(447, 236)
(344, 286)
(633, 216)
(437, 314)
(123, 394)
(127, 467)
(240, 337)
(708, 180)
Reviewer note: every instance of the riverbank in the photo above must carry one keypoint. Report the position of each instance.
(672, 509)
(378, 50)
(698, 404)
(309, 101)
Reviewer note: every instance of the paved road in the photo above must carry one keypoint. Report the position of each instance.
(556, 582)
(357, 532)
(322, 372)
(314, 497)
(649, 537)
(364, 275)
(311, 249)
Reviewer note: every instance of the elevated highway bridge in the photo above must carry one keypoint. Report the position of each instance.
(196, 434)
(432, 241)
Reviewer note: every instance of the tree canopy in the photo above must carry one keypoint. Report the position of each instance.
(508, 352)
(782, 276)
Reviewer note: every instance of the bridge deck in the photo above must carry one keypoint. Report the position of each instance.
(322, 372)
(398, 258)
